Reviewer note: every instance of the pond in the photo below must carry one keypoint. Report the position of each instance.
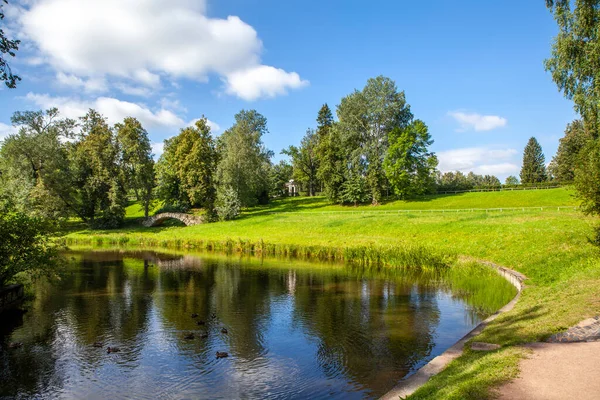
(291, 329)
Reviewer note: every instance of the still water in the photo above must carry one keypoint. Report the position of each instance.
(293, 329)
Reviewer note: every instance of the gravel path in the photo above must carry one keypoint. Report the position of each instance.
(566, 367)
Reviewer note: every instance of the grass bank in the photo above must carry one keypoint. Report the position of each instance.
(549, 245)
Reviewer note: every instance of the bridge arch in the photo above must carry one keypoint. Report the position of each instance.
(158, 219)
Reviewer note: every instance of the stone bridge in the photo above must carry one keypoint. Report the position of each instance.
(158, 219)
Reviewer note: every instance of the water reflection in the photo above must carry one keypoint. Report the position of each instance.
(292, 330)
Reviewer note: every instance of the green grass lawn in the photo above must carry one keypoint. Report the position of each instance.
(504, 199)
(549, 245)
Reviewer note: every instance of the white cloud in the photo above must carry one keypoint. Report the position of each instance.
(480, 160)
(262, 81)
(90, 85)
(158, 148)
(139, 91)
(142, 41)
(113, 109)
(6, 130)
(477, 122)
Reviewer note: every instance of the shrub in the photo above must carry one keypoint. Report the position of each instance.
(26, 247)
(228, 204)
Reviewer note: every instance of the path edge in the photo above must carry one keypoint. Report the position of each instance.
(411, 383)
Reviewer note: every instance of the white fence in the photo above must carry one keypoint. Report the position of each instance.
(498, 189)
(443, 211)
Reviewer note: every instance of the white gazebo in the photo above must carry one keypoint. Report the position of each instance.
(292, 188)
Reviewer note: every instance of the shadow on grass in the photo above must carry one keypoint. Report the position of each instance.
(286, 205)
(430, 197)
(508, 328)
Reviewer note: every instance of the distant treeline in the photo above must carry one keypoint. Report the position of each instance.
(61, 168)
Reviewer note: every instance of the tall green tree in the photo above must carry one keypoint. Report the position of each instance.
(575, 63)
(365, 120)
(534, 163)
(355, 190)
(305, 161)
(99, 184)
(409, 165)
(280, 174)
(244, 160)
(511, 180)
(137, 165)
(564, 162)
(34, 164)
(329, 152)
(7, 47)
(187, 168)
(587, 177)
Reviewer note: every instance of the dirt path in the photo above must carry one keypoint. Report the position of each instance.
(557, 371)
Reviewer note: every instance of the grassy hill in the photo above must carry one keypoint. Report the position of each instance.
(501, 199)
(548, 244)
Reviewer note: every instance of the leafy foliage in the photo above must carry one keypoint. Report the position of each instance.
(228, 204)
(305, 161)
(355, 190)
(26, 247)
(451, 181)
(574, 63)
(136, 162)
(534, 163)
(245, 162)
(100, 190)
(34, 164)
(7, 47)
(365, 120)
(511, 180)
(329, 152)
(280, 174)
(187, 168)
(49, 171)
(564, 162)
(409, 166)
(587, 177)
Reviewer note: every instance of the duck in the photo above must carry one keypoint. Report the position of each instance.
(15, 345)
(222, 354)
(201, 322)
(194, 315)
(189, 336)
(98, 344)
(224, 331)
(112, 350)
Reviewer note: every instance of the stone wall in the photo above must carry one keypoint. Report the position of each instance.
(10, 297)
(158, 219)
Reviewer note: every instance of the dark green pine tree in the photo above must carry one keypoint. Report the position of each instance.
(534, 163)
(324, 120)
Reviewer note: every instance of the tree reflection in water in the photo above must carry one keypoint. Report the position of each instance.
(293, 329)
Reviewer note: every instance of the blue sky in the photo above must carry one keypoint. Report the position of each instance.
(471, 69)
